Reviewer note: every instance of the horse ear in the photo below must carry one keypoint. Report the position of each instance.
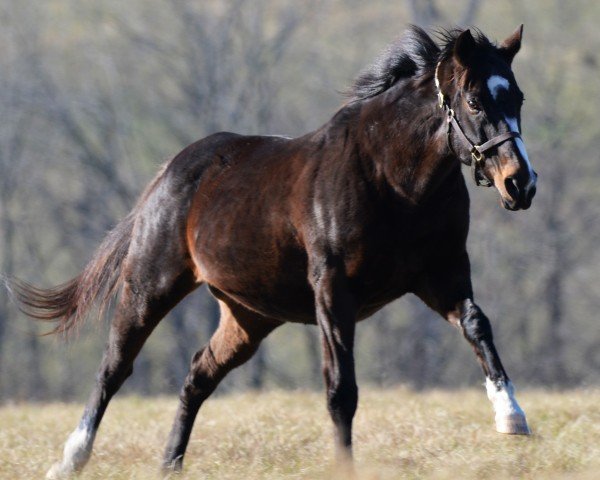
(464, 48)
(511, 46)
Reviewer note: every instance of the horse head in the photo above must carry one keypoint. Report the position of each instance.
(478, 91)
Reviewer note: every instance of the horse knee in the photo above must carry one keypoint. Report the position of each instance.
(475, 325)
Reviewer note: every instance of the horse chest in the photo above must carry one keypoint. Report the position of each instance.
(392, 260)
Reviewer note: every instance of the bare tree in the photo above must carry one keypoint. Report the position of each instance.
(93, 101)
(220, 66)
(428, 12)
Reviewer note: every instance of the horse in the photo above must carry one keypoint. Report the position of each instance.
(323, 229)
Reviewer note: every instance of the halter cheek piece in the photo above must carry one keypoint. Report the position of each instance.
(477, 151)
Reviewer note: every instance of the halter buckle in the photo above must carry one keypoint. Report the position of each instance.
(476, 154)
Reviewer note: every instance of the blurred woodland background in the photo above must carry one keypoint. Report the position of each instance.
(96, 95)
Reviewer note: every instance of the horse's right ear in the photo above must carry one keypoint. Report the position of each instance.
(464, 48)
(511, 46)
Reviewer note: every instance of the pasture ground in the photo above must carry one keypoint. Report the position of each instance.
(398, 434)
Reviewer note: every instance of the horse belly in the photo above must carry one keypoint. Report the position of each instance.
(252, 258)
(276, 288)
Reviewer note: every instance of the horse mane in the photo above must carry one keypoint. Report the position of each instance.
(413, 54)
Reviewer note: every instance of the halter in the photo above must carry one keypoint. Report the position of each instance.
(477, 151)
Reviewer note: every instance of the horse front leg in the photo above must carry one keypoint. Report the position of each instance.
(477, 329)
(336, 318)
(448, 290)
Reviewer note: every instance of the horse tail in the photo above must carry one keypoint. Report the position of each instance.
(69, 303)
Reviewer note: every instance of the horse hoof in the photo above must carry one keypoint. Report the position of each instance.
(172, 468)
(58, 472)
(513, 425)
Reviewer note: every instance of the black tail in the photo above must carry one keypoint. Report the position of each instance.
(69, 303)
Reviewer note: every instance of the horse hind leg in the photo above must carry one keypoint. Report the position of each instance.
(234, 342)
(143, 304)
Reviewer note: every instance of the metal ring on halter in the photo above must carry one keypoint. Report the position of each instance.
(476, 154)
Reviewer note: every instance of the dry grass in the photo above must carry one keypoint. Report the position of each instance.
(398, 434)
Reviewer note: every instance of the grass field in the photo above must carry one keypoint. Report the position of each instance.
(398, 434)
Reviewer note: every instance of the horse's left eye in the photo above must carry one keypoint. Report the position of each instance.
(474, 105)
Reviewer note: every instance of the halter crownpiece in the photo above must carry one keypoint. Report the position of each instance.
(440, 95)
(477, 151)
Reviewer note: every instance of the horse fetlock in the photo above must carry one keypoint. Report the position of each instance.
(172, 466)
(60, 471)
(76, 454)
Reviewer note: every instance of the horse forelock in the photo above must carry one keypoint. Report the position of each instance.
(448, 37)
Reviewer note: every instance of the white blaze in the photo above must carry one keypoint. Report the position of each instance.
(496, 83)
(514, 126)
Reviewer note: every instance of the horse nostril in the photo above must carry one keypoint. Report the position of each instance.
(512, 187)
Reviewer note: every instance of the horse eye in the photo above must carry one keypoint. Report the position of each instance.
(474, 105)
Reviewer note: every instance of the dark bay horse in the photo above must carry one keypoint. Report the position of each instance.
(326, 228)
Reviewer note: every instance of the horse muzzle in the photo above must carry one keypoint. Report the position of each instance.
(518, 195)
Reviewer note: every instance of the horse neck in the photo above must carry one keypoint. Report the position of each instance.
(404, 134)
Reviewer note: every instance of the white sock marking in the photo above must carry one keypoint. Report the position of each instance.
(503, 399)
(78, 448)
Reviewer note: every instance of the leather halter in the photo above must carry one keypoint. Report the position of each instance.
(477, 151)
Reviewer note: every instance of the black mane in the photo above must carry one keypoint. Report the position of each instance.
(414, 54)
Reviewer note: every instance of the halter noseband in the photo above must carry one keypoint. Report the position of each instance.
(477, 151)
